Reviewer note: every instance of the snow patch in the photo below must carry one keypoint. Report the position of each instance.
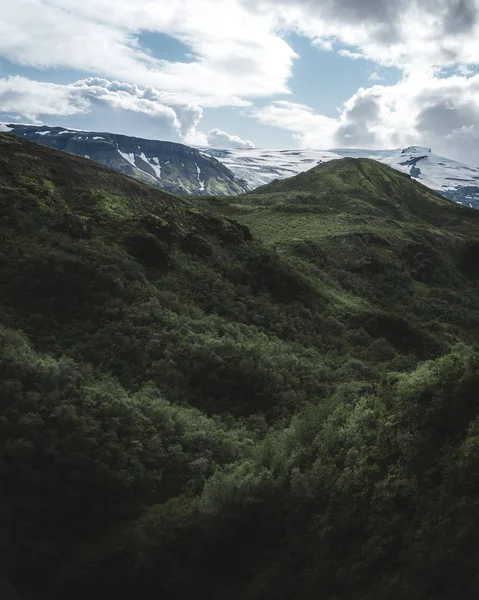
(42, 132)
(155, 166)
(129, 157)
(97, 137)
(5, 128)
(200, 181)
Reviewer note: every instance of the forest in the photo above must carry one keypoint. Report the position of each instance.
(261, 397)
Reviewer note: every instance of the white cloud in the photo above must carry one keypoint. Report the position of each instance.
(109, 105)
(236, 55)
(349, 54)
(421, 109)
(237, 46)
(310, 129)
(22, 97)
(326, 45)
(220, 139)
(408, 34)
(196, 138)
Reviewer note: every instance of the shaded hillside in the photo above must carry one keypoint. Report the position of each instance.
(167, 166)
(205, 406)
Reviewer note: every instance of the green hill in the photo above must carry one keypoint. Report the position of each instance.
(260, 397)
(346, 195)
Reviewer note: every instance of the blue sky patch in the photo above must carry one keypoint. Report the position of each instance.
(164, 47)
(324, 79)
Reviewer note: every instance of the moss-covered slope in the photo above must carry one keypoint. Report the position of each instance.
(262, 403)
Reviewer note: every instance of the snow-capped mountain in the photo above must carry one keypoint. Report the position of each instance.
(184, 170)
(166, 165)
(452, 179)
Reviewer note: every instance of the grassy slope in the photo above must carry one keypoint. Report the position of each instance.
(147, 405)
(381, 239)
(347, 195)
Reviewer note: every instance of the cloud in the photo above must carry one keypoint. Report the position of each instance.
(349, 54)
(220, 139)
(237, 49)
(460, 16)
(308, 128)
(408, 34)
(359, 121)
(442, 113)
(99, 104)
(23, 98)
(189, 117)
(235, 55)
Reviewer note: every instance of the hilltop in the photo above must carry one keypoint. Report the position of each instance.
(242, 398)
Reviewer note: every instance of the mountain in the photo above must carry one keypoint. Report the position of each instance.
(180, 169)
(452, 179)
(248, 397)
(339, 198)
(165, 165)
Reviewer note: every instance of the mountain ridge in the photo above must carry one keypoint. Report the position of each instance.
(182, 169)
(169, 166)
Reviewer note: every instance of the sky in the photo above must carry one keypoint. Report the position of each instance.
(249, 73)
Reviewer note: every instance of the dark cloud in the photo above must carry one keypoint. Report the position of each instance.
(383, 17)
(357, 118)
(379, 15)
(444, 118)
(354, 135)
(460, 17)
(364, 109)
(352, 10)
(450, 125)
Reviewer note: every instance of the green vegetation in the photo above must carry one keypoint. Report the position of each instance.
(260, 397)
